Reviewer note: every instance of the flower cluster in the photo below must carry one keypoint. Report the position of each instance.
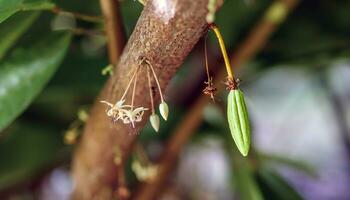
(126, 113)
(129, 114)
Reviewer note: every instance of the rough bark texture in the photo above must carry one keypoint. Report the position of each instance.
(165, 34)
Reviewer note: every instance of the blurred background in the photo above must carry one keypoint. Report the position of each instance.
(297, 93)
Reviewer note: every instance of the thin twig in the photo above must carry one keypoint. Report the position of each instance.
(84, 17)
(248, 49)
(82, 31)
(114, 29)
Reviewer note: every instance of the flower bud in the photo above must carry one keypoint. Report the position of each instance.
(164, 110)
(238, 120)
(71, 136)
(211, 11)
(154, 122)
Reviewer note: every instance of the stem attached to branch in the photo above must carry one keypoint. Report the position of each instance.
(150, 90)
(206, 59)
(155, 78)
(84, 17)
(223, 50)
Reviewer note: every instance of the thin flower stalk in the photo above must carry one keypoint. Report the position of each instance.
(206, 58)
(150, 90)
(209, 89)
(129, 84)
(155, 77)
(134, 89)
(154, 119)
(163, 106)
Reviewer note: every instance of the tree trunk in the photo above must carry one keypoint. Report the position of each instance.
(165, 34)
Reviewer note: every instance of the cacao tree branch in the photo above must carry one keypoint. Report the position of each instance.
(190, 122)
(164, 35)
(116, 42)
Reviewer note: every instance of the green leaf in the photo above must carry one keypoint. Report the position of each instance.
(13, 28)
(26, 149)
(238, 121)
(10, 7)
(26, 72)
(275, 187)
(296, 164)
(247, 186)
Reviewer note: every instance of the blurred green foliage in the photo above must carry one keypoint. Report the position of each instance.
(8, 8)
(274, 187)
(14, 28)
(30, 53)
(29, 148)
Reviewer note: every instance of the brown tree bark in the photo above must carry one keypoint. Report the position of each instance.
(165, 33)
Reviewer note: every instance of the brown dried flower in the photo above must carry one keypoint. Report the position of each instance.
(232, 84)
(210, 89)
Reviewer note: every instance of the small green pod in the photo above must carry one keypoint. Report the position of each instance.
(238, 121)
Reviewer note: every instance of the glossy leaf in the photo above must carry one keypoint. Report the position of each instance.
(26, 72)
(10, 7)
(13, 28)
(238, 121)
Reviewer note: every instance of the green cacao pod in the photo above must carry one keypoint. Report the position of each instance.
(238, 121)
